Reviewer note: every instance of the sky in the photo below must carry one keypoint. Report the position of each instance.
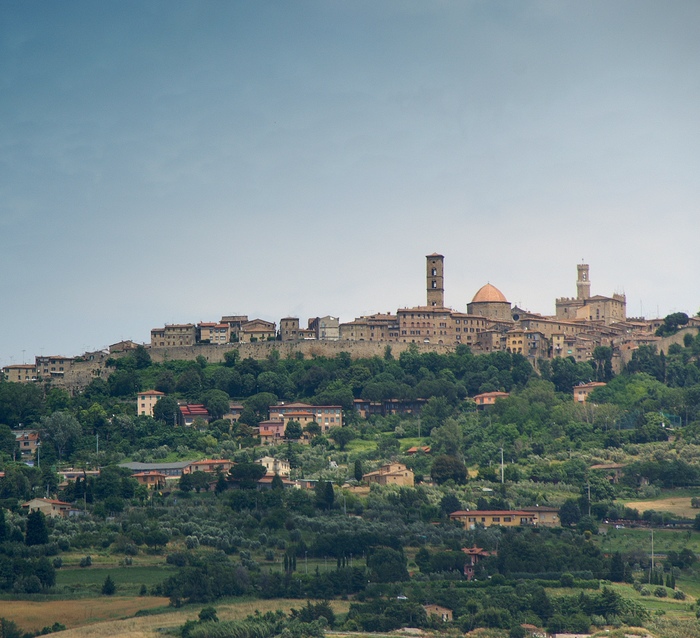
(171, 162)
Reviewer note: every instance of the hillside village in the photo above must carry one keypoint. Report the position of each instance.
(491, 469)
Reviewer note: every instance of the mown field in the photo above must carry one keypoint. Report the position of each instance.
(116, 624)
(33, 615)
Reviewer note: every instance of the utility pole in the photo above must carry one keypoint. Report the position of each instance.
(589, 498)
(651, 566)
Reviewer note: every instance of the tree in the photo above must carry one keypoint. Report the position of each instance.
(8, 441)
(221, 484)
(247, 475)
(358, 470)
(62, 429)
(208, 614)
(387, 565)
(325, 496)
(9, 629)
(447, 438)
(617, 568)
(185, 483)
(142, 359)
(293, 430)
(569, 513)
(108, 587)
(277, 483)
(447, 467)
(37, 533)
(341, 436)
(672, 324)
(200, 481)
(449, 503)
(217, 403)
(313, 429)
(166, 409)
(156, 538)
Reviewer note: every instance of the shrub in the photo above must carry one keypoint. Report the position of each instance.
(678, 595)
(85, 561)
(660, 592)
(644, 591)
(108, 587)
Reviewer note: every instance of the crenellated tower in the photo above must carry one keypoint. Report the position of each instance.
(583, 283)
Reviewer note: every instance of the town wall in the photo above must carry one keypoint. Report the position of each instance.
(289, 349)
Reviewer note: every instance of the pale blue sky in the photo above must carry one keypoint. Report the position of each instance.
(166, 161)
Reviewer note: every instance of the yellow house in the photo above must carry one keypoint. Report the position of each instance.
(390, 474)
(487, 518)
(48, 507)
(582, 390)
(146, 402)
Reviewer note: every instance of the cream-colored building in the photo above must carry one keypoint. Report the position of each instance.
(582, 390)
(48, 507)
(20, 373)
(487, 518)
(146, 401)
(214, 333)
(275, 466)
(489, 398)
(390, 474)
(327, 416)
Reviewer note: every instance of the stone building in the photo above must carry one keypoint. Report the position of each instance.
(326, 328)
(172, 335)
(377, 327)
(20, 373)
(390, 474)
(490, 302)
(591, 308)
(234, 323)
(257, 330)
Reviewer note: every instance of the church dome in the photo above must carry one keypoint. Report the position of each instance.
(489, 294)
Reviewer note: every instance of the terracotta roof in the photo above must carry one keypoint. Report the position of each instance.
(489, 513)
(489, 294)
(47, 500)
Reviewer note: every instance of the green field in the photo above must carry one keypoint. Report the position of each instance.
(127, 579)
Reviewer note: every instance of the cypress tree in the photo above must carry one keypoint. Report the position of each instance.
(37, 534)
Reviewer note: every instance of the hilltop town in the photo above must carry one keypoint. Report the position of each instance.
(491, 323)
(421, 464)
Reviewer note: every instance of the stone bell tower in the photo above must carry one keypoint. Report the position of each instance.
(435, 265)
(583, 284)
